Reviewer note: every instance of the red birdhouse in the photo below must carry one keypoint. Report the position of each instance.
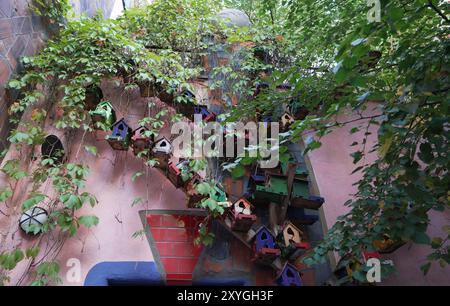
(174, 172)
(141, 141)
(193, 196)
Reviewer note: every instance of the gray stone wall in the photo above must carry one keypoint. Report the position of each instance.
(21, 34)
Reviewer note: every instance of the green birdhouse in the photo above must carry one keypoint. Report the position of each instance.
(273, 190)
(300, 172)
(103, 115)
(219, 194)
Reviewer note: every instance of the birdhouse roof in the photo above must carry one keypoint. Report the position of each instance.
(140, 128)
(103, 103)
(286, 266)
(264, 228)
(120, 121)
(162, 139)
(245, 201)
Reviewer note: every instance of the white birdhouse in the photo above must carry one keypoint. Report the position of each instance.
(162, 146)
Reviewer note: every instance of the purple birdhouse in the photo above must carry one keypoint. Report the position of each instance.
(289, 276)
(120, 136)
(207, 115)
(264, 239)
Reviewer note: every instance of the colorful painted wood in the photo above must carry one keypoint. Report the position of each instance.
(104, 114)
(242, 206)
(207, 116)
(162, 151)
(219, 194)
(240, 222)
(193, 196)
(141, 141)
(240, 217)
(265, 248)
(120, 136)
(174, 172)
(298, 216)
(289, 276)
(162, 147)
(291, 234)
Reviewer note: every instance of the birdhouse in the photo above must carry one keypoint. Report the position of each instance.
(120, 136)
(162, 150)
(289, 276)
(162, 147)
(294, 244)
(93, 97)
(242, 206)
(273, 190)
(301, 172)
(32, 220)
(219, 194)
(286, 121)
(104, 114)
(174, 172)
(368, 255)
(265, 248)
(207, 116)
(192, 194)
(141, 141)
(240, 217)
(301, 197)
(291, 234)
(298, 216)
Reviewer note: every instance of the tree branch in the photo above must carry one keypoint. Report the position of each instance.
(438, 11)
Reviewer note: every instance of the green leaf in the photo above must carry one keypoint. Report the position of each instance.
(203, 188)
(32, 201)
(237, 172)
(136, 176)
(421, 238)
(91, 149)
(425, 268)
(136, 201)
(88, 221)
(32, 252)
(5, 194)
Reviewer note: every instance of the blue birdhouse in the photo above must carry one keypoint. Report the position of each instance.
(120, 136)
(264, 239)
(289, 276)
(207, 115)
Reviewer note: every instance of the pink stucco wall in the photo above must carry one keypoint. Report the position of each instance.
(332, 166)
